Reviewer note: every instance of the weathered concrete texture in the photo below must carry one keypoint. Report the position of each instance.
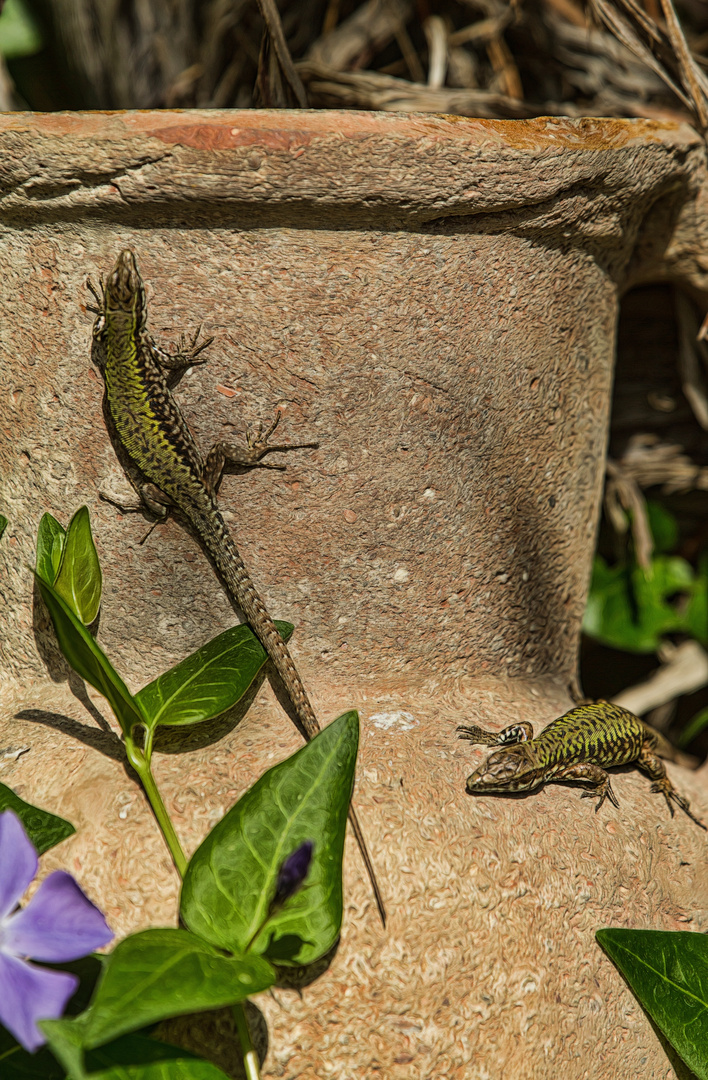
(488, 967)
(434, 300)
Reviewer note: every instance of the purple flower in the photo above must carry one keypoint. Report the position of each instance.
(58, 924)
(292, 874)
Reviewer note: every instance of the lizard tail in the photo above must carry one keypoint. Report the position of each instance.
(222, 548)
(667, 750)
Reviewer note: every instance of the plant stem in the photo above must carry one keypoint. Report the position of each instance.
(250, 1059)
(140, 760)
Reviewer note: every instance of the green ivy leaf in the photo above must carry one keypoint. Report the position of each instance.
(663, 525)
(19, 32)
(208, 682)
(629, 608)
(130, 1057)
(79, 578)
(697, 610)
(89, 660)
(156, 974)
(3, 523)
(137, 1057)
(50, 548)
(45, 830)
(231, 877)
(668, 973)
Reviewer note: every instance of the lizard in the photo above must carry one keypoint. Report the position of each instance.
(149, 424)
(577, 747)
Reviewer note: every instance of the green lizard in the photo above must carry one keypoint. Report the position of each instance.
(576, 747)
(138, 376)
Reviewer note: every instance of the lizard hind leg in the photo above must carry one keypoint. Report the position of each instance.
(151, 499)
(508, 736)
(249, 457)
(654, 767)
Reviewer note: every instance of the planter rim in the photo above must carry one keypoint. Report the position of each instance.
(239, 168)
(227, 129)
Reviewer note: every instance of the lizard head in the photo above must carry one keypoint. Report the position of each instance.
(513, 768)
(124, 288)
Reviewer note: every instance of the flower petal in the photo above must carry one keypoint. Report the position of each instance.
(29, 994)
(18, 861)
(59, 923)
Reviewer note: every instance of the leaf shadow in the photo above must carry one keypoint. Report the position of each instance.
(290, 977)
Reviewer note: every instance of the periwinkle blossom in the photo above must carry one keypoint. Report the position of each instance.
(58, 924)
(292, 874)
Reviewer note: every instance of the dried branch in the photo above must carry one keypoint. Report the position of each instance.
(667, 54)
(276, 70)
(684, 670)
(372, 90)
(650, 463)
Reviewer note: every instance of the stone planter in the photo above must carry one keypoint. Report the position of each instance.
(434, 300)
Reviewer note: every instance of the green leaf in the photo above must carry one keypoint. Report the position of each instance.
(697, 610)
(44, 829)
(130, 1057)
(79, 578)
(50, 547)
(231, 877)
(694, 727)
(668, 973)
(64, 1038)
(629, 608)
(137, 1057)
(663, 526)
(19, 33)
(89, 660)
(3, 523)
(160, 973)
(209, 681)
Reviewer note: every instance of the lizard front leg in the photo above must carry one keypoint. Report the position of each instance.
(584, 772)
(174, 364)
(515, 733)
(654, 767)
(257, 446)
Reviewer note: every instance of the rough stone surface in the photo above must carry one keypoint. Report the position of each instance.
(434, 300)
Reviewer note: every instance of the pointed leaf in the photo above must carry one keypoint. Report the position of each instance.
(50, 548)
(64, 1038)
(89, 660)
(668, 974)
(3, 524)
(159, 973)
(208, 682)
(44, 829)
(231, 878)
(79, 579)
(136, 1057)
